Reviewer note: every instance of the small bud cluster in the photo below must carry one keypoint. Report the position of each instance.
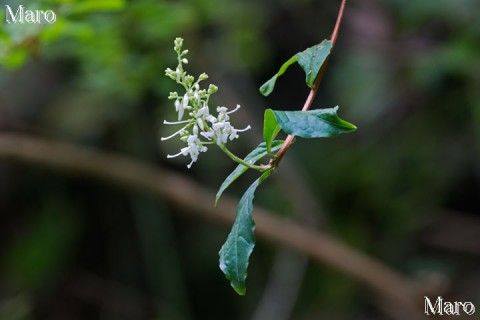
(200, 128)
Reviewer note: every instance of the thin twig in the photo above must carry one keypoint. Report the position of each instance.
(190, 196)
(313, 92)
(338, 23)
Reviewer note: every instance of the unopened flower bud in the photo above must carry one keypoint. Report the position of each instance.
(178, 44)
(212, 88)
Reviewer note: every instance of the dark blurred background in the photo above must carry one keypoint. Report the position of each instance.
(403, 188)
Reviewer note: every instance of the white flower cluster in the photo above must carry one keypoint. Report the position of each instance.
(200, 123)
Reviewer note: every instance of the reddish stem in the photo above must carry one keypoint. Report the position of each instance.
(313, 92)
(337, 24)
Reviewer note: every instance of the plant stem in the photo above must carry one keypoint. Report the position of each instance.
(261, 168)
(313, 92)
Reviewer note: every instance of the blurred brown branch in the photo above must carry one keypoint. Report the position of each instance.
(191, 196)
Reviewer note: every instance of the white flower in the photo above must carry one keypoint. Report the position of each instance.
(185, 100)
(179, 107)
(202, 124)
(178, 72)
(193, 148)
(207, 134)
(222, 128)
(203, 112)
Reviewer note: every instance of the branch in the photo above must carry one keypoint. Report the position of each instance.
(338, 23)
(313, 92)
(189, 195)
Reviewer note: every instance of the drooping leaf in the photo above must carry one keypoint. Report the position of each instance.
(268, 86)
(235, 252)
(312, 59)
(270, 129)
(258, 153)
(319, 123)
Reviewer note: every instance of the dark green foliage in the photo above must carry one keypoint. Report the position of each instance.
(268, 86)
(312, 59)
(270, 129)
(306, 124)
(321, 123)
(236, 251)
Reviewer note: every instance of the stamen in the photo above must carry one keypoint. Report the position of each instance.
(242, 130)
(232, 111)
(173, 135)
(175, 122)
(175, 155)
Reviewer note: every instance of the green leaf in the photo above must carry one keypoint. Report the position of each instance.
(95, 5)
(319, 123)
(270, 129)
(312, 59)
(235, 252)
(268, 86)
(258, 153)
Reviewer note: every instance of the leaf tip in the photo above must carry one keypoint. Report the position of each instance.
(346, 124)
(268, 86)
(241, 290)
(237, 284)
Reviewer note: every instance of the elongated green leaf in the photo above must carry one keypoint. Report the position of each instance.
(312, 59)
(258, 153)
(270, 129)
(319, 123)
(268, 86)
(235, 252)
